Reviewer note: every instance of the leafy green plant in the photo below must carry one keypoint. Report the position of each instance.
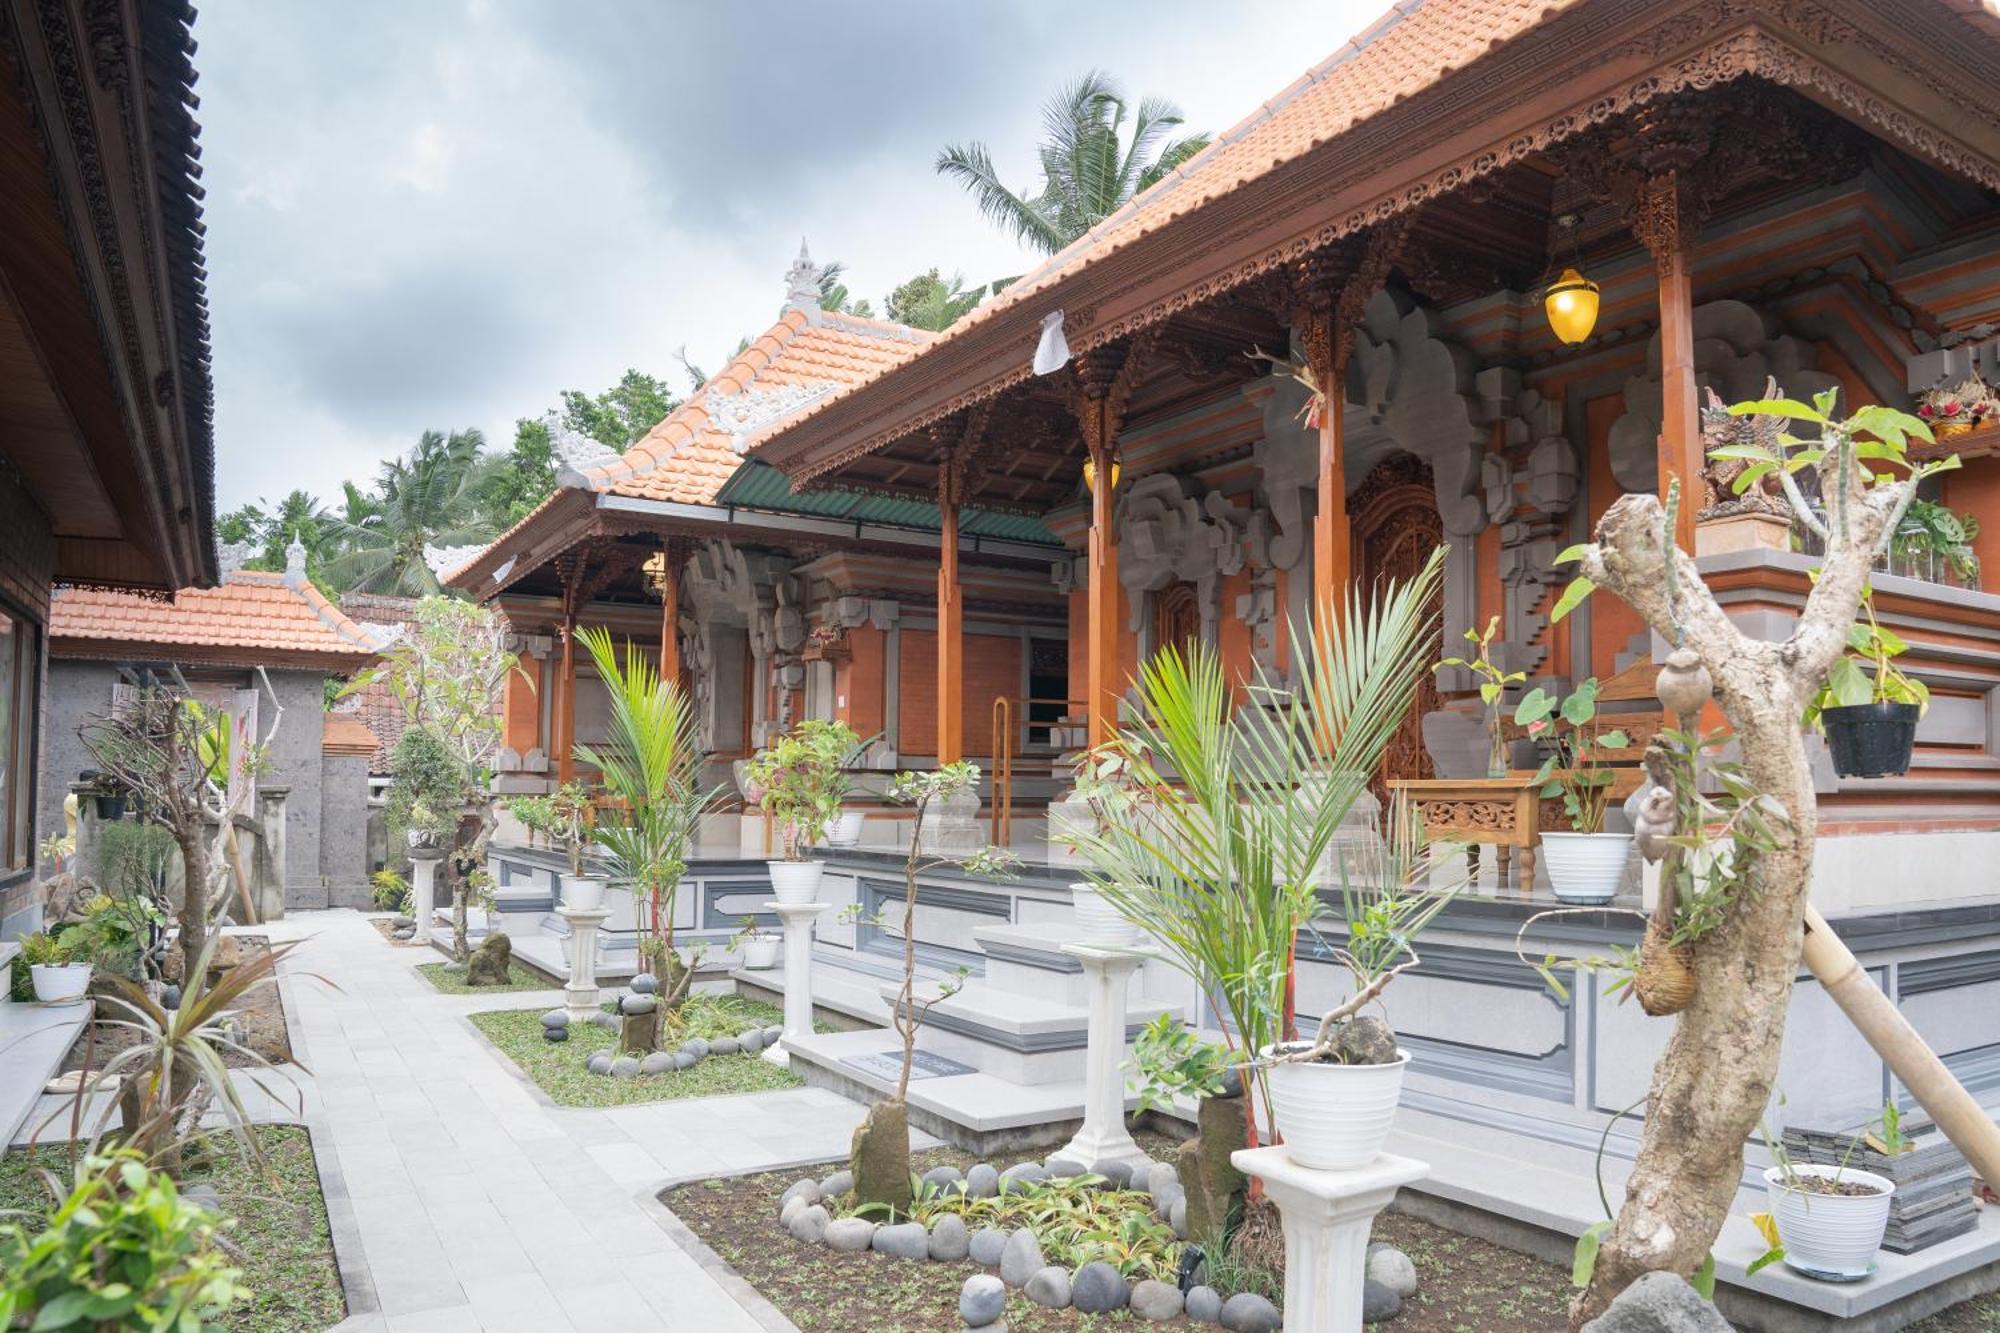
(1214, 827)
(1866, 675)
(1169, 1060)
(427, 786)
(1075, 1221)
(802, 779)
(1493, 683)
(1573, 766)
(1937, 529)
(562, 817)
(747, 929)
(134, 858)
(114, 934)
(390, 890)
(1885, 1133)
(121, 1249)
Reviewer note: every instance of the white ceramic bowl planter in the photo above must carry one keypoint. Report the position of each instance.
(1586, 868)
(1098, 922)
(582, 894)
(760, 953)
(58, 983)
(1334, 1117)
(795, 881)
(845, 830)
(1830, 1236)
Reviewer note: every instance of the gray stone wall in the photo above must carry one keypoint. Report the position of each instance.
(77, 690)
(343, 824)
(297, 762)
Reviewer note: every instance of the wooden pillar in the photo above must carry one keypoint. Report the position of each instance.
(950, 629)
(566, 701)
(673, 555)
(1657, 220)
(1333, 536)
(1102, 591)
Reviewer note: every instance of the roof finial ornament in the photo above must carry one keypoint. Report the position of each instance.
(295, 563)
(802, 284)
(232, 556)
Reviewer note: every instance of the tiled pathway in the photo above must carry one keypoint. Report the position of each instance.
(473, 1202)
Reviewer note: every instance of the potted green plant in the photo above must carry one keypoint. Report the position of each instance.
(1586, 863)
(570, 831)
(801, 779)
(1830, 1219)
(60, 969)
(759, 946)
(1493, 683)
(1868, 709)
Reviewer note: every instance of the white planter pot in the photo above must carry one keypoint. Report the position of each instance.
(1335, 1117)
(582, 895)
(796, 881)
(1586, 868)
(1098, 922)
(58, 983)
(845, 831)
(760, 953)
(1830, 1236)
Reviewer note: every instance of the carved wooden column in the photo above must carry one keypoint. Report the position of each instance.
(950, 614)
(570, 569)
(667, 583)
(1104, 378)
(1658, 215)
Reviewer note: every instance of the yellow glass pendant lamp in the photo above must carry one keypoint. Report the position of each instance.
(1571, 303)
(1090, 475)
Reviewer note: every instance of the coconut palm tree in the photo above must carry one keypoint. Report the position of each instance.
(430, 498)
(1091, 165)
(834, 295)
(929, 301)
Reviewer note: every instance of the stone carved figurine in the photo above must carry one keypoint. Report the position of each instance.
(1719, 428)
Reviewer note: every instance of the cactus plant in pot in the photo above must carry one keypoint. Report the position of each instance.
(1586, 863)
(1868, 709)
(801, 779)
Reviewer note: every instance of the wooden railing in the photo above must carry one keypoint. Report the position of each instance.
(1006, 739)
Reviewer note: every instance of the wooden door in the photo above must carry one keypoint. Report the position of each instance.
(1396, 527)
(1176, 618)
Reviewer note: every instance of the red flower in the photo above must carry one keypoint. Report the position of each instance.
(1951, 408)
(1537, 728)
(1924, 410)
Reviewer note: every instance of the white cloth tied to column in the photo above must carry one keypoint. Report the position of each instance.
(1052, 352)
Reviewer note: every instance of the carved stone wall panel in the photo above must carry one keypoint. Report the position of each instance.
(1419, 387)
(1169, 533)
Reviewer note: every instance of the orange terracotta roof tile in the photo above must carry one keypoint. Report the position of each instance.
(345, 733)
(248, 614)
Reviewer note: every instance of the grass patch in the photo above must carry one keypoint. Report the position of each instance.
(450, 978)
(280, 1225)
(557, 1066)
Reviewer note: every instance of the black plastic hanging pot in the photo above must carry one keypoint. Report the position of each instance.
(110, 808)
(1871, 740)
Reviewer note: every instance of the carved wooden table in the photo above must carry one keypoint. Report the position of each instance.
(1500, 812)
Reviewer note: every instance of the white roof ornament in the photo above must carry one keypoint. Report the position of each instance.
(802, 284)
(744, 413)
(295, 563)
(1052, 352)
(575, 453)
(232, 556)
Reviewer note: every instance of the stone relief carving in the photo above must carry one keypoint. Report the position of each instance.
(1168, 534)
(1736, 349)
(1529, 488)
(1287, 459)
(1418, 388)
(756, 592)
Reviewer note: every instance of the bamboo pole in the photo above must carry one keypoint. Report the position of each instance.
(1957, 1113)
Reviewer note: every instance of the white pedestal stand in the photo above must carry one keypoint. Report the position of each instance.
(580, 991)
(1104, 1137)
(1327, 1215)
(798, 920)
(423, 889)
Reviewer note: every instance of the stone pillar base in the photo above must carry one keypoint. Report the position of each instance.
(423, 888)
(1327, 1215)
(580, 994)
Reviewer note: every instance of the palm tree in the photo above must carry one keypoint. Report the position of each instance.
(430, 498)
(1090, 166)
(834, 296)
(928, 301)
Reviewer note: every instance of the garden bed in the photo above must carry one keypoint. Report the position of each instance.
(558, 1067)
(262, 1014)
(281, 1225)
(450, 978)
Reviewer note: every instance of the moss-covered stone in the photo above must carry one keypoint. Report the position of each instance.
(490, 961)
(880, 1157)
(639, 1032)
(1214, 1185)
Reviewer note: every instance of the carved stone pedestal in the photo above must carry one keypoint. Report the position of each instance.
(1103, 1138)
(1327, 1215)
(423, 887)
(798, 921)
(1742, 532)
(580, 994)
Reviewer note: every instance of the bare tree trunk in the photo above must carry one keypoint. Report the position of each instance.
(194, 895)
(1713, 1083)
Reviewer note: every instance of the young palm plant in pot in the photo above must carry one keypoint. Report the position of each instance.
(1215, 833)
(1868, 709)
(1586, 863)
(802, 778)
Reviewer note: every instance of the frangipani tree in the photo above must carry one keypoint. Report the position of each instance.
(1717, 1075)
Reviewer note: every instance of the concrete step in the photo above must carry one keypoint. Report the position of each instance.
(1028, 960)
(1022, 1039)
(34, 1039)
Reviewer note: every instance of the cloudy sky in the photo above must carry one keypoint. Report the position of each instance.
(441, 213)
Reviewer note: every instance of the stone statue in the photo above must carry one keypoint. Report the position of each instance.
(1718, 475)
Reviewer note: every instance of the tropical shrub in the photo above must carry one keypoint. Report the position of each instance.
(803, 779)
(427, 788)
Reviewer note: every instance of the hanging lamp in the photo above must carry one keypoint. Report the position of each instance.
(1570, 301)
(1090, 475)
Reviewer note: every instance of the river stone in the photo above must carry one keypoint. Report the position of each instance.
(695, 1046)
(987, 1245)
(800, 1189)
(905, 1240)
(1204, 1305)
(1393, 1269)
(637, 1006)
(981, 1300)
(1158, 1176)
(940, 1177)
(1168, 1198)
(1048, 1288)
(850, 1235)
(556, 1018)
(773, 1032)
(982, 1182)
(1098, 1288)
(1157, 1301)
(950, 1239)
(1247, 1312)
(724, 1046)
(836, 1185)
(1659, 1303)
(659, 1062)
(810, 1225)
(682, 1060)
(1365, 1041)
(205, 1195)
(645, 983)
(555, 1034)
(752, 1041)
(1177, 1218)
(1021, 1259)
(789, 1209)
(1119, 1174)
(1032, 1172)
(1061, 1168)
(625, 1066)
(1378, 1303)
(599, 1062)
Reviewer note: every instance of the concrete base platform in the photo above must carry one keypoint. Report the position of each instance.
(33, 1041)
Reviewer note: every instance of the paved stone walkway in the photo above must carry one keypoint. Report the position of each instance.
(465, 1200)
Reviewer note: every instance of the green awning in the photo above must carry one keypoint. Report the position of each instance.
(758, 485)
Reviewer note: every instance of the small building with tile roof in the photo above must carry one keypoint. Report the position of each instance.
(254, 643)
